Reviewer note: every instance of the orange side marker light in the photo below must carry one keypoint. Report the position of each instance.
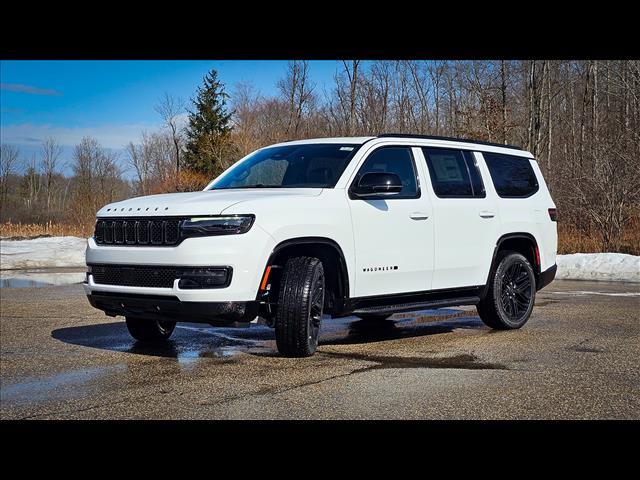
(265, 277)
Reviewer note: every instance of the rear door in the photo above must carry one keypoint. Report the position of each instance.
(465, 218)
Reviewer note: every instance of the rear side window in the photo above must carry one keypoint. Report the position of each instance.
(512, 176)
(398, 160)
(454, 173)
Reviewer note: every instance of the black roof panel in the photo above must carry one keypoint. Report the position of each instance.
(452, 139)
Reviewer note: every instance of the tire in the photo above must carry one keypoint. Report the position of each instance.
(375, 318)
(300, 306)
(511, 294)
(150, 330)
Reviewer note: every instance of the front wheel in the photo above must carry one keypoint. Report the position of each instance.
(300, 306)
(150, 330)
(511, 294)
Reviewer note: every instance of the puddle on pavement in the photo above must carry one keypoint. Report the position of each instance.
(192, 343)
(54, 387)
(39, 278)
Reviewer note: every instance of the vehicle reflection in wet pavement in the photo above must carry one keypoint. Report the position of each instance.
(192, 341)
(197, 346)
(576, 358)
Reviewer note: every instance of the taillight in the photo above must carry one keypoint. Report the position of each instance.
(553, 214)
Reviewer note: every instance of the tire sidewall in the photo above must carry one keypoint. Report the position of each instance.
(313, 334)
(506, 262)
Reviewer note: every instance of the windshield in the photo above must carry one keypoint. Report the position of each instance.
(290, 166)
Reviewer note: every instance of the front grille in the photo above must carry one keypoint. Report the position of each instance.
(135, 276)
(138, 231)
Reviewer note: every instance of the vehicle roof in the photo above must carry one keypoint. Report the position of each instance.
(478, 145)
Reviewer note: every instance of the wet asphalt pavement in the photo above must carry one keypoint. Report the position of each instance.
(578, 357)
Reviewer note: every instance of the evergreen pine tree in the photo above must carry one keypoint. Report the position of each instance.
(208, 132)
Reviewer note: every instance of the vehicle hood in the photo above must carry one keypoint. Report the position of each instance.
(210, 202)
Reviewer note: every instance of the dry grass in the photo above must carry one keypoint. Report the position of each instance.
(570, 240)
(31, 230)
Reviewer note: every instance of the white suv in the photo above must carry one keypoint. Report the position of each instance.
(364, 226)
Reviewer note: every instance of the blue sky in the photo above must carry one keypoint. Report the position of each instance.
(113, 100)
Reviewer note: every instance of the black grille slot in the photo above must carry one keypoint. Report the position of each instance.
(143, 232)
(99, 231)
(134, 276)
(156, 232)
(108, 232)
(118, 232)
(171, 231)
(130, 232)
(138, 231)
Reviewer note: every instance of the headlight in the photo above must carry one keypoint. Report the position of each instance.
(222, 225)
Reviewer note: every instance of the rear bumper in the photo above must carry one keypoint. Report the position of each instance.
(158, 307)
(546, 277)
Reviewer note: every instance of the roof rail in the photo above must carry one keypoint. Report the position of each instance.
(452, 139)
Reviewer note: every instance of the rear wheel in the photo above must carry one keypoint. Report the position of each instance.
(511, 294)
(150, 330)
(300, 306)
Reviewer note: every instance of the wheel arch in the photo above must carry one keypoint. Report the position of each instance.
(333, 261)
(521, 242)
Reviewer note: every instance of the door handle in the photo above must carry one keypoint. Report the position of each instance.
(419, 215)
(487, 214)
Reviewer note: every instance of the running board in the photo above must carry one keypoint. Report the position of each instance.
(410, 307)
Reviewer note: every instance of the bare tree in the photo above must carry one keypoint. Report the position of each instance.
(51, 153)
(343, 109)
(141, 164)
(503, 97)
(97, 178)
(31, 184)
(170, 108)
(9, 155)
(298, 92)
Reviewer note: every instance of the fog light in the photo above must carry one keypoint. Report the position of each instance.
(204, 278)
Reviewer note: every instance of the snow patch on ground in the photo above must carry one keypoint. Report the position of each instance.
(28, 278)
(42, 253)
(612, 267)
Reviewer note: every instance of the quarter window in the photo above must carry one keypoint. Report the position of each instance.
(398, 160)
(512, 176)
(454, 173)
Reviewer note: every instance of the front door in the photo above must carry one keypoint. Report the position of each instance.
(393, 234)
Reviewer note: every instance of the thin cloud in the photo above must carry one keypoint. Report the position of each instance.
(12, 110)
(111, 136)
(18, 87)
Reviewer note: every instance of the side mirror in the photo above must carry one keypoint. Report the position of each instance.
(377, 183)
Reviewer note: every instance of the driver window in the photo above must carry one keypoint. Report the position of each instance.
(398, 160)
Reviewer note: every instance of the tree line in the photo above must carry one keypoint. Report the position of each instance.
(580, 119)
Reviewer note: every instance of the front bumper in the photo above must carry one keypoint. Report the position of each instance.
(246, 254)
(157, 307)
